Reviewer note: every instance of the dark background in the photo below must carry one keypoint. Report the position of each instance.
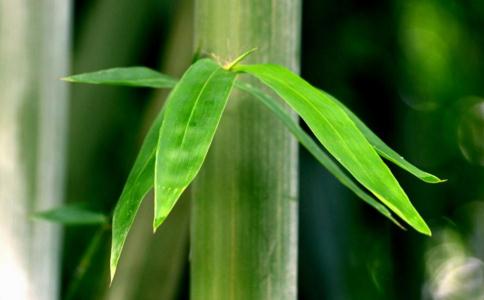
(411, 69)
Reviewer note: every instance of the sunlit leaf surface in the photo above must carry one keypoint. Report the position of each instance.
(314, 149)
(340, 136)
(193, 111)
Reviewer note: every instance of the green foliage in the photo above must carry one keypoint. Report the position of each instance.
(193, 111)
(72, 214)
(139, 183)
(314, 149)
(384, 150)
(129, 76)
(340, 136)
(176, 145)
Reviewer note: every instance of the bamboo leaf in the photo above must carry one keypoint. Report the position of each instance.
(314, 149)
(145, 77)
(72, 214)
(340, 136)
(384, 150)
(139, 183)
(129, 76)
(193, 112)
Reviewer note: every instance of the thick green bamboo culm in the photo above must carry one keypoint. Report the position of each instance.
(244, 206)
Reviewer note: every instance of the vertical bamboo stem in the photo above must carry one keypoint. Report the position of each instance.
(244, 213)
(33, 103)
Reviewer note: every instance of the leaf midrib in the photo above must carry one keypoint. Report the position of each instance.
(205, 84)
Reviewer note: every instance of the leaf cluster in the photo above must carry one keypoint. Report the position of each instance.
(179, 139)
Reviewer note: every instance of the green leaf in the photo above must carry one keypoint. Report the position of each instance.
(386, 151)
(193, 112)
(144, 77)
(72, 214)
(129, 76)
(313, 148)
(340, 136)
(139, 183)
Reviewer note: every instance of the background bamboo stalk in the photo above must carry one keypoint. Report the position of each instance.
(244, 213)
(34, 52)
(105, 123)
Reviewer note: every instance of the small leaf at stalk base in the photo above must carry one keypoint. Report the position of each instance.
(128, 76)
(72, 214)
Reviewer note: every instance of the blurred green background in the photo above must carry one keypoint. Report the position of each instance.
(413, 70)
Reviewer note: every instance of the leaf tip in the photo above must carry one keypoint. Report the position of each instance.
(113, 271)
(440, 180)
(425, 230)
(113, 264)
(418, 223)
(428, 232)
(157, 223)
(433, 179)
(236, 61)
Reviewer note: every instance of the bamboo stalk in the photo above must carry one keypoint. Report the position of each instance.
(105, 39)
(244, 209)
(34, 44)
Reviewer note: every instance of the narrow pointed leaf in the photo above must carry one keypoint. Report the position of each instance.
(72, 214)
(384, 150)
(144, 77)
(139, 183)
(193, 112)
(129, 76)
(340, 136)
(314, 149)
